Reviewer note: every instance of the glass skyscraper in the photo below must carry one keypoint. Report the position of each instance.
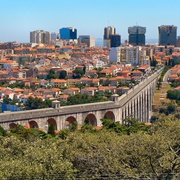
(167, 35)
(137, 35)
(109, 30)
(68, 33)
(115, 40)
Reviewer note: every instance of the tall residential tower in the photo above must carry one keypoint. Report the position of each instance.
(167, 35)
(137, 35)
(40, 36)
(109, 30)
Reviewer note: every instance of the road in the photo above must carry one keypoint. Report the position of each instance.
(166, 76)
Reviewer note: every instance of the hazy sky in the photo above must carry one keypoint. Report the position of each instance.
(19, 17)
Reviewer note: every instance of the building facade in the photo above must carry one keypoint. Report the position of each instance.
(167, 35)
(114, 54)
(40, 36)
(178, 41)
(68, 33)
(115, 40)
(109, 30)
(86, 39)
(54, 37)
(137, 35)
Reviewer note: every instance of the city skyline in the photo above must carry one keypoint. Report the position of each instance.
(20, 17)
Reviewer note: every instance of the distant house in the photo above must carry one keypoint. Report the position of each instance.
(72, 91)
(136, 73)
(61, 83)
(89, 90)
(144, 68)
(72, 82)
(63, 97)
(103, 89)
(122, 89)
(96, 82)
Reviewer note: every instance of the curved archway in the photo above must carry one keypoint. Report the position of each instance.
(109, 115)
(71, 122)
(91, 119)
(52, 121)
(33, 124)
(12, 125)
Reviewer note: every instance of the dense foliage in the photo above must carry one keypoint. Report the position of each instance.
(85, 98)
(175, 84)
(174, 95)
(37, 103)
(147, 153)
(171, 108)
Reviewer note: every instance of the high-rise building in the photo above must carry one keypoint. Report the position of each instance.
(167, 35)
(40, 36)
(68, 33)
(109, 30)
(88, 40)
(115, 40)
(178, 41)
(54, 36)
(137, 35)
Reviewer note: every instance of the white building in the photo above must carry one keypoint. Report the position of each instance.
(114, 55)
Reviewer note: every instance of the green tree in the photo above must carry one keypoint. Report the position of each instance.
(62, 74)
(78, 73)
(171, 108)
(64, 133)
(3, 132)
(7, 100)
(51, 74)
(51, 129)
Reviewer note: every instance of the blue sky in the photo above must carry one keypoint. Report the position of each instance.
(19, 17)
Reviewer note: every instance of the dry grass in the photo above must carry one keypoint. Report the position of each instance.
(160, 95)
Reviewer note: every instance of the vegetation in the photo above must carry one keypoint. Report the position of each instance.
(130, 125)
(145, 153)
(84, 98)
(14, 85)
(78, 73)
(62, 74)
(37, 103)
(174, 95)
(175, 84)
(7, 100)
(168, 110)
(52, 75)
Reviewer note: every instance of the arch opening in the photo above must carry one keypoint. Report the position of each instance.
(71, 123)
(12, 125)
(53, 122)
(91, 119)
(33, 124)
(109, 115)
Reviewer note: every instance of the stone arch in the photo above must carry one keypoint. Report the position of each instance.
(12, 125)
(91, 119)
(109, 115)
(70, 121)
(51, 121)
(33, 124)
